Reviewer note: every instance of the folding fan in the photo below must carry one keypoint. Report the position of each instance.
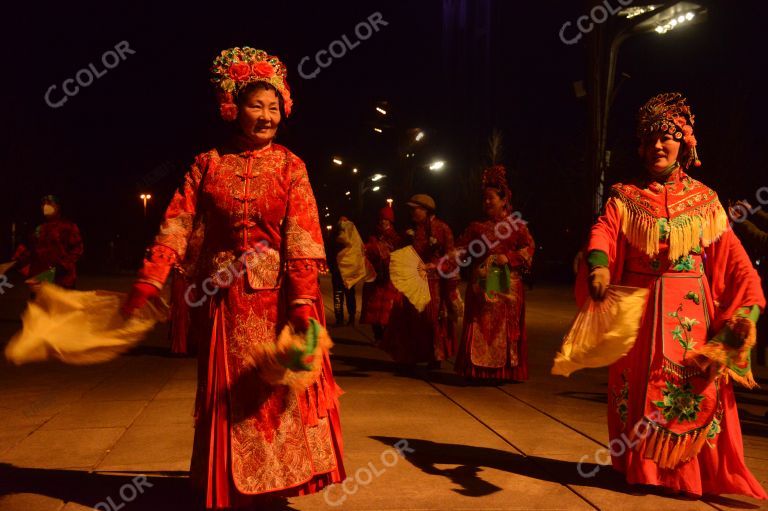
(406, 269)
(603, 331)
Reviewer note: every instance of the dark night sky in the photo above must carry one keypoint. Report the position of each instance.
(151, 114)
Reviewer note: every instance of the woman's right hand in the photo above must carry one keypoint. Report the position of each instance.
(599, 279)
(140, 294)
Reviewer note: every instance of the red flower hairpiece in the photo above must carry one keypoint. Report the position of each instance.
(236, 67)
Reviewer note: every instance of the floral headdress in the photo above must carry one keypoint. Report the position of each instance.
(496, 177)
(236, 67)
(669, 113)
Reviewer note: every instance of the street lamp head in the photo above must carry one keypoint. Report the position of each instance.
(338, 161)
(437, 165)
(354, 171)
(378, 130)
(419, 136)
(377, 177)
(381, 110)
(376, 188)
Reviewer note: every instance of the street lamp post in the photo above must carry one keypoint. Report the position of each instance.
(641, 19)
(145, 197)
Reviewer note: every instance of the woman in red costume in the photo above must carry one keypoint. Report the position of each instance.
(493, 343)
(379, 295)
(55, 244)
(672, 417)
(428, 336)
(258, 261)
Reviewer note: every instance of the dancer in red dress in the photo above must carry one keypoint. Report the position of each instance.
(672, 416)
(379, 295)
(55, 244)
(429, 336)
(258, 261)
(493, 343)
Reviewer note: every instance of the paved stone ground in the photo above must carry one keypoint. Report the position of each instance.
(72, 438)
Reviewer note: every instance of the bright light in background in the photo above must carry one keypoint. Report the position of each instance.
(419, 136)
(376, 177)
(378, 130)
(338, 161)
(329, 227)
(354, 171)
(631, 12)
(348, 193)
(145, 196)
(381, 110)
(389, 202)
(376, 188)
(436, 165)
(673, 23)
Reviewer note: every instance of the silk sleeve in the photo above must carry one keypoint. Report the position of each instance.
(170, 244)
(304, 249)
(733, 280)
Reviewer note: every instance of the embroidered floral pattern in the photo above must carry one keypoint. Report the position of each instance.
(684, 263)
(621, 399)
(682, 332)
(680, 402)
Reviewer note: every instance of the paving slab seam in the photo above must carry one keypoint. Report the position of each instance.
(117, 440)
(598, 442)
(506, 441)
(49, 419)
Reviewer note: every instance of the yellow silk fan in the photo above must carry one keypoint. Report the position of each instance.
(603, 331)
(406, 269)
(79, 327)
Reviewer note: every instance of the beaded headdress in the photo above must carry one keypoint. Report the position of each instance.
(669, 113)
(236, 67)
(496, 177)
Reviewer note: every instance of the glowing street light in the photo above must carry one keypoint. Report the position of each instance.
(631, 12)
(376, 188)
(437, 165)
(338, 161)
(377, 177)
(145, 197)
(419, 136)
(389, 202)
(378, 130)
(328, 227)
(381, 110)
(348, 193)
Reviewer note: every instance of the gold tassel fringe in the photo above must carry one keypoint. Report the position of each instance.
(669, 450)
(699, 228)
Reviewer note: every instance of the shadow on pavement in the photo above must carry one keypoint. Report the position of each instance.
(127, 492)
(471, 460)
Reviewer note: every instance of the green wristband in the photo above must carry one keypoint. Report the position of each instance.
(597, 258)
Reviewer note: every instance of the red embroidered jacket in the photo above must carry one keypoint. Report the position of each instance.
(251, 213)
(54, 244)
